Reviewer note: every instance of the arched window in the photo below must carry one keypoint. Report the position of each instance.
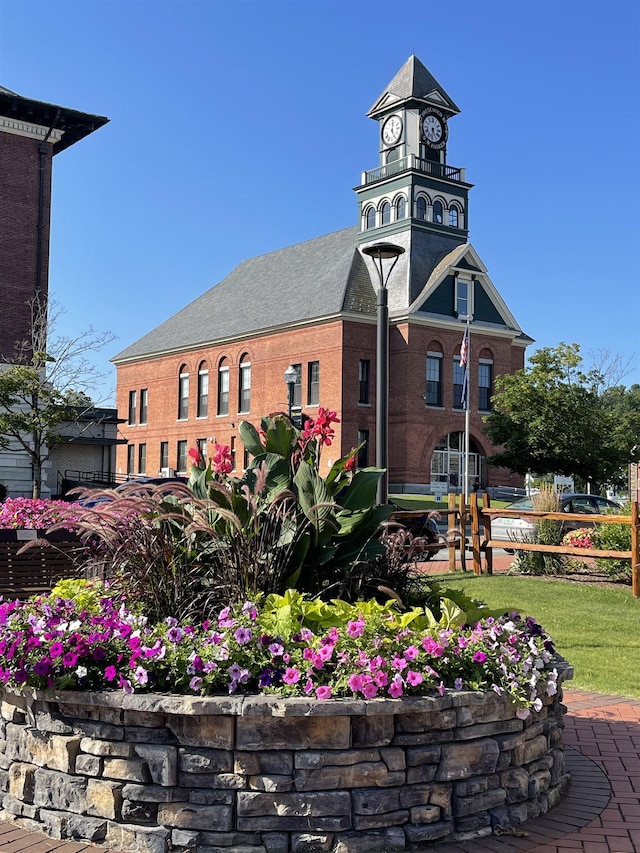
(371, 218)
(183, 393)
(393, 155)
(244, 384)
(453, 216)
(437, 212)
(203, 390)
(223, 387)
(385, 213)
(401, 207)
(421, 208)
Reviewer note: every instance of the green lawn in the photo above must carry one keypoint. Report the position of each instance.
(596, 629)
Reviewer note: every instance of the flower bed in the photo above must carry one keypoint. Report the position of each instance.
(408, 754)
(160, 773)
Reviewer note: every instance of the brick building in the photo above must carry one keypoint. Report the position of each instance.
(31, 134)
(222, 358)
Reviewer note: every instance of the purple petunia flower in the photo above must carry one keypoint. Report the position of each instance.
(479, 657)
(243, 635)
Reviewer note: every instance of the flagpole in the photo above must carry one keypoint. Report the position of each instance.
(466, 414)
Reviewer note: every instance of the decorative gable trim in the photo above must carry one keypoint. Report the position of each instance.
(464, 260)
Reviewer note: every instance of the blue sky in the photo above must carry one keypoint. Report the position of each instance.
(238, 128)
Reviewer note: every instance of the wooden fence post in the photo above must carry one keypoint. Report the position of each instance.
(451, 505)
(475, 533)
(488, 551)
(463, 534)
(635, 550)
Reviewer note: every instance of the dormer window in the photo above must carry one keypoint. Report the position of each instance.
(464, 298)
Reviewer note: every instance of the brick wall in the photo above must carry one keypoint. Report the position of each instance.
(19, 200)
(414, 428)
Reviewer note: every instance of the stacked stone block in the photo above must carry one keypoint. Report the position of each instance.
(267, 775)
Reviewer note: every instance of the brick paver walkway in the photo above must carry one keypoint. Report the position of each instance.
(600, 813)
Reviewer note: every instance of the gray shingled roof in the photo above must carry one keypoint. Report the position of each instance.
(413, 81)
(318, 278)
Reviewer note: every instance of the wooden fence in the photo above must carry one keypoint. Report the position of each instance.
(481, 542)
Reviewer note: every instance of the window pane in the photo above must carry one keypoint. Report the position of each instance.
(244, 402)
(223, 391)
(462, 298)
(297, 388)
(142, 459)
(400, 208)
(181, 457)
(421, 208)
(371, 218)
(132, 408)
(183, 397)
(363, 380)
(164, 454)
(453, 217)
(203, 393)
(458, 380)
(313, 390)
(433, 396)
(144, 401)
(386, 213)
(485, 390)
(131, 458)
(363, 453)
(437, 212)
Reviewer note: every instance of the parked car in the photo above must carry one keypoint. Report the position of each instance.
(129, 487)
(520, 529)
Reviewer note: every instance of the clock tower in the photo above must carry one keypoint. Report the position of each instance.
(414, 198)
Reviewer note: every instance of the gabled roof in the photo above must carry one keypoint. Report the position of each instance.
(308, 281)
(465, 257)
(414, 83)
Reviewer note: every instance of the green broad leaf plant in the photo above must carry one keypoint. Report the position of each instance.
(327, 525)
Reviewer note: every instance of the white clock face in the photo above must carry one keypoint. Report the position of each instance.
(432, 128)
(392, 130)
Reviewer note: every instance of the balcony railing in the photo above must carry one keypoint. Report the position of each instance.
(428, 167)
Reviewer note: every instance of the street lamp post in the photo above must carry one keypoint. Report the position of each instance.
(380, 252)
(290, 376)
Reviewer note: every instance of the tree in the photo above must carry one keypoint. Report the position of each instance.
(551, 417)
(51, 382)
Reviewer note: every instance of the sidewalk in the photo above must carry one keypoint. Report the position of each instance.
(600, 813)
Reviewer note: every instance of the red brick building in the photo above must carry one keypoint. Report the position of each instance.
(32, 133)
(313, 305)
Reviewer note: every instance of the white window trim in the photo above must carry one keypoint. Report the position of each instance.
(470, 294)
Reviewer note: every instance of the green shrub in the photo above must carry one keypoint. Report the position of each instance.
(547, 532)
(614, 537)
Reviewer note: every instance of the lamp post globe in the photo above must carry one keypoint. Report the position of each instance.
(381, 253)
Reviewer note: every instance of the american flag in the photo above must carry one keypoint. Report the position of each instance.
(464, 348)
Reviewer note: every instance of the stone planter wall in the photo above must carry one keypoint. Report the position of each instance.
(268, 775)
